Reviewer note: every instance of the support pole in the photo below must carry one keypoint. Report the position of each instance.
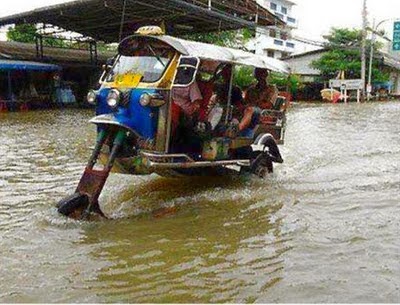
(371, 57)
(363, 48)
(228, 104)
(10, 95)
(121, 28)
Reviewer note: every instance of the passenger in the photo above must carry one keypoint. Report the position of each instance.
(262, 94)
(185, 113)
(188, 99)
(220, 97)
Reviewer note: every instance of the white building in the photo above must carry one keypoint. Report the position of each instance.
(275, 41)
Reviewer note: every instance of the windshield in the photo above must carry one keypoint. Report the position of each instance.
(149, 62)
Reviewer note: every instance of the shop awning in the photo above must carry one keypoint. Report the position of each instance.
(27, 66)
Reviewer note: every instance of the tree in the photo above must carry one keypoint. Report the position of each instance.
(233, 39)
(27, 33)
(343, 54)
(291, 83)
(24, 32)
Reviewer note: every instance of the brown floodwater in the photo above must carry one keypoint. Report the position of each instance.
(325, 227)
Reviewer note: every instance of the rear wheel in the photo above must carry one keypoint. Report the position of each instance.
(261, 165)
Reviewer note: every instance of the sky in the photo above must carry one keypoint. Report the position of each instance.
(315, 17)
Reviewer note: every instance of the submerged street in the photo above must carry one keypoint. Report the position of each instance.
(325, 227)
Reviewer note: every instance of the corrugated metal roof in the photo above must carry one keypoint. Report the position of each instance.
(101, 19)
(27, 51)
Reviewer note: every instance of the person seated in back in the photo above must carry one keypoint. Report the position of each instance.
(218, 100)
(188, 99)
(185, 113)
(260, 96)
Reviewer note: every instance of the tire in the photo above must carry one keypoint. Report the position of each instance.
(72, 203)
(261, 165)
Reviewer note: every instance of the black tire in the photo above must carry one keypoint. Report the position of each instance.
(261, 165)
(72, 203)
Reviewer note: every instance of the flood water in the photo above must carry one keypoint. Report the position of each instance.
(325, 227)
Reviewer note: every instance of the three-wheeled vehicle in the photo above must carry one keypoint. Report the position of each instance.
(139, 131)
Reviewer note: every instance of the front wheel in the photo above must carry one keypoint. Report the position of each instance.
(72, 204)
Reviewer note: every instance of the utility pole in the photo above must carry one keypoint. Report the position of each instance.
(363, 48)
(371, 58)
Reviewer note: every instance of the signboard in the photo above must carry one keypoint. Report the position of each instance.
(396, 36)
(348, 84)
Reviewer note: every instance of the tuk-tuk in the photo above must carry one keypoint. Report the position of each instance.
(139, 132)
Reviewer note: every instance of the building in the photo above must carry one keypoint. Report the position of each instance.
(28, 71)
(301, 64)
(275, 41)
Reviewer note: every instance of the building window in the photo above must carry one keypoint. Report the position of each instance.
(290, 45)
(284, 10)
(270, 53)
(279, 16)
(290, 19)
(272, 33)
(274, 6)
(278, 42)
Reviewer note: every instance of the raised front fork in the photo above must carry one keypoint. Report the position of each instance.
(85, 199)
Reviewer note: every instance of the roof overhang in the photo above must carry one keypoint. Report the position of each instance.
(20, 65)
(101, 19)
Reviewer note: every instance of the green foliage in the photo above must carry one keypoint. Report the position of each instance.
(284, 82)
(233, 39)
(243, 76)
(107, 47)
(27, 33)
(22, 33)
(344, 54)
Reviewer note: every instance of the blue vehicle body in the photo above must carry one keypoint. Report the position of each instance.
(143, 120)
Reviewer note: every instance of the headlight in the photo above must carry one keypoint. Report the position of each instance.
(113, 98)
(91, 97)
(145, 99)
(152, 100)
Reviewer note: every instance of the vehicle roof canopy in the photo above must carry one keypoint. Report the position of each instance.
(212, 52)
